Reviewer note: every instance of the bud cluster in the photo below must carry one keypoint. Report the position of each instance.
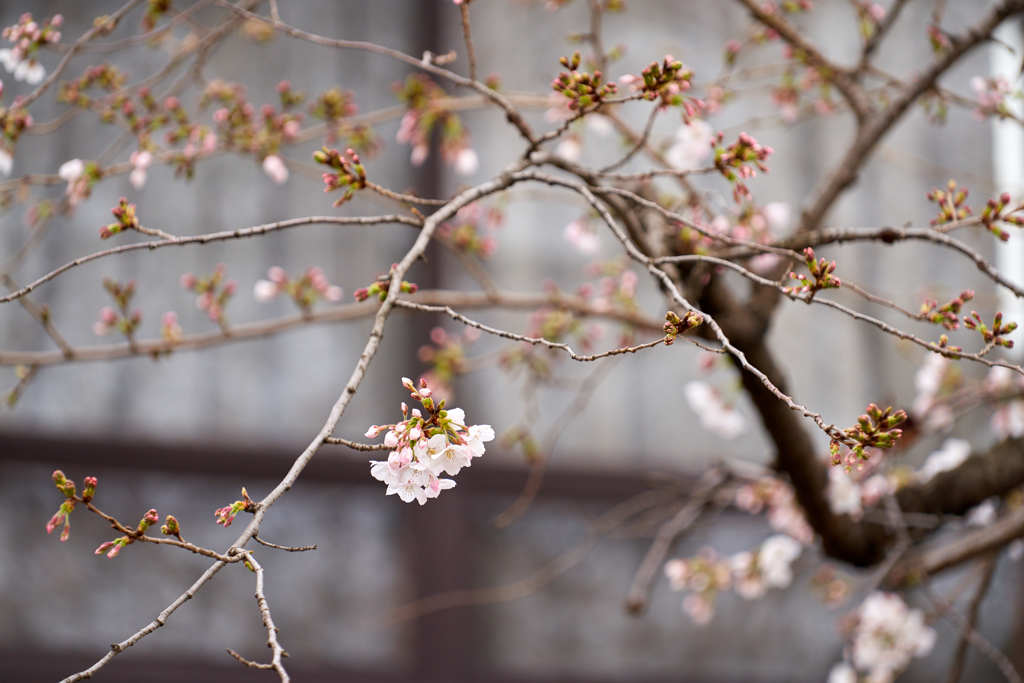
(154, 10)
(333, 107)
(820, 276)
(995, 211)
(869, 15)
(379, 287)
(674, 325)
(425, 444)
(877, 428)
(121, 319)
(169, 327)
(304, 291)
(582, 89)
(227, 514)
(995, 334)
(739, 160)
(14, 120)
(113, 548)
(171, 527)
(212, 292)
(238, 126)
(446, 357)
(668, 81)
(349, 172)
(946, 314)
(126, 219)
(951, 204)
(289, 98)
(103, 76)
(67, 488)
(938, 39)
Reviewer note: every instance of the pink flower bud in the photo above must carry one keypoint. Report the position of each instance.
(277, 275)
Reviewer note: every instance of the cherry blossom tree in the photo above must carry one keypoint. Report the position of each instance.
(686, 217)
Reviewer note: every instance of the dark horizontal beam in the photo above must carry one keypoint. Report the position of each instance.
(47, 665)
(333, 464)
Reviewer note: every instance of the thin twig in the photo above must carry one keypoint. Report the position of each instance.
(265, 328)
(211, 237)
(467, 35)
(278, 652)
(447, 310)
(988, 570)
(643, 580)
(288, 548)
(356, 446)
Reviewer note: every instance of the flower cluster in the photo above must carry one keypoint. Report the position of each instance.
(819, 276)
(425, 100)
(951, 201)
(13, 122)
(582, 235)
(28, 36)
(580, 88)
(212, 293)
(877, 428)
(935, 377)
(140, 161)
(715, 414)
(739, 160)
(995, 212)
(126, 219)
(703, 576)
(848, 495)
(692, 145)
(466, 231)
(749, 573)
(304, 291)
(777, 499)
(950, 456)
(885, 635)
(380, 286)
(426, 444)
(80, 177)
(63, 514)
(349, 172)
(1008, 419)
(119, 319)
(990, 94)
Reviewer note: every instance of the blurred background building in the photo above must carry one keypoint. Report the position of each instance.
(540, 599)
